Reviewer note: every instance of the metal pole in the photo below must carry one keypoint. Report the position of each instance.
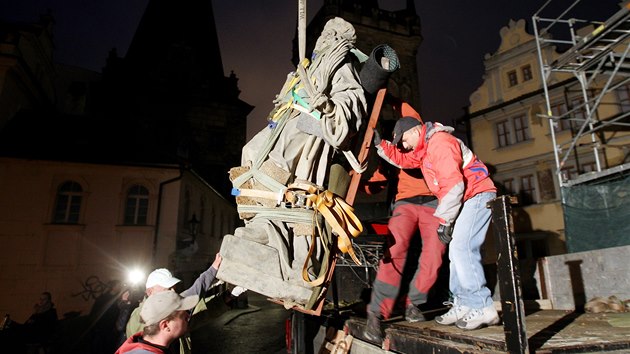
(544, 72)
(302, 29)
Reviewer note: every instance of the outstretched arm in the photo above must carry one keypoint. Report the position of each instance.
(205, 279)
(394, 156)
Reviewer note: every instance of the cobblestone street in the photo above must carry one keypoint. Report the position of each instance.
(257, 329)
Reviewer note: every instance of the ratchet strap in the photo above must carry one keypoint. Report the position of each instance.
(340, 216)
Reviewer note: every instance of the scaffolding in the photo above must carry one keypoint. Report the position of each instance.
(592, 71)
(596, 56)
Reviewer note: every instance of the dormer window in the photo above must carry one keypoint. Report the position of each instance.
(512, 78)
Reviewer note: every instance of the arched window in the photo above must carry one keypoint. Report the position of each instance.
(137, 205)
(68, 203)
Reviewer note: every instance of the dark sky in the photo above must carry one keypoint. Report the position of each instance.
(256, 39)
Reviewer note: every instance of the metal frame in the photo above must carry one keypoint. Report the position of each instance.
(601, 53)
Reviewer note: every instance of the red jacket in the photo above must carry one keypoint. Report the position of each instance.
(452, 171)
(135, 345)
(408, 185)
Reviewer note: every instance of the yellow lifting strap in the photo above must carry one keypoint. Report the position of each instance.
(340, 216)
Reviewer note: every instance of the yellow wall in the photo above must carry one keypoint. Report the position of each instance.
(74, 261)
(496, 101)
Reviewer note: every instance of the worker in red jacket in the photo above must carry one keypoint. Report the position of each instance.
(413, 210)
(463, 187)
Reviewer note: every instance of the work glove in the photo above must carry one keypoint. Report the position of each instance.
(445, 233)
(377, 138)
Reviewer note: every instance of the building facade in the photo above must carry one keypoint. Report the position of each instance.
(70, 228)
(105, 172)
(511, 130)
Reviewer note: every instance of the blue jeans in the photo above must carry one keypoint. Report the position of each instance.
(467, 280)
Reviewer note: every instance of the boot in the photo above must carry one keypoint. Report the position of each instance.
(413, 314)
(373, 328)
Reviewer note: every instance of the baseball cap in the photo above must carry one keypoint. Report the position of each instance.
(161, 277)
(160, 305)
(402, 125)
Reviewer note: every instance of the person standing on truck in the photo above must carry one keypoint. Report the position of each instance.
(463, 187)
(413, 211)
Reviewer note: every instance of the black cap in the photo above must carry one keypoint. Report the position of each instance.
(402, 125)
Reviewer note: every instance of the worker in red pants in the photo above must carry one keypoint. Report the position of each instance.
(412, 212)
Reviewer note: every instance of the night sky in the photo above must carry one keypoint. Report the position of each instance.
(256, 39)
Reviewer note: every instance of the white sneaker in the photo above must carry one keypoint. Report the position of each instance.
(478, 318)
(453, 315)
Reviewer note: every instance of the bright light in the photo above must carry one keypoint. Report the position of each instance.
(135, 276)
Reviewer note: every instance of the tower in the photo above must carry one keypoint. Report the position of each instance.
(171, 89)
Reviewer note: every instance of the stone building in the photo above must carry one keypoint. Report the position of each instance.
(102, 172)
(512, 130)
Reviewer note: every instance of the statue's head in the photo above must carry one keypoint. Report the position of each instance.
(335, 29)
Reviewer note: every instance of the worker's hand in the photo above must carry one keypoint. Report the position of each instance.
(125, 296)
(377, 138)
(445, 233)
(322, 103)
(217, 261)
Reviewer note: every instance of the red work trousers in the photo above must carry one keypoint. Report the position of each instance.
(406, 221)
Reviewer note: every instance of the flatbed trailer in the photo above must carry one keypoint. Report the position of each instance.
(537, 329)
(548, 331)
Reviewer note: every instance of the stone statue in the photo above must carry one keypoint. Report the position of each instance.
(284, 245)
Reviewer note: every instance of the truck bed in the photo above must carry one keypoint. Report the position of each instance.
(548, 331)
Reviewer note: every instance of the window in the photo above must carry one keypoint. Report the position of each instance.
(560, 110)
(527, 191)
(503, 133)
(512, 79)
(136, 205)
(508, 186)
(589, 167)
(568, 173)
(527, 72)
(517, 127)
(623, 94)
(68, 203)
(580, 110)
(521, 128)
(546, 186)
